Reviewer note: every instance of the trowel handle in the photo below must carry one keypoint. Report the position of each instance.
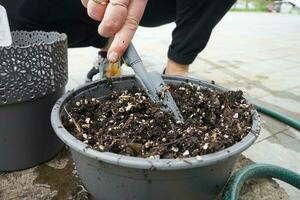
(132, 59)
(152, 81)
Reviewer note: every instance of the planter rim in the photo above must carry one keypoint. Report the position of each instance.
(146, 163)
(34, 66)
(60, 37)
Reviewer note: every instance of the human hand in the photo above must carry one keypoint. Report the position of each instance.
(119, 20)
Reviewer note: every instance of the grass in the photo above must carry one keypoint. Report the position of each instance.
(248, 10)
(261, 6)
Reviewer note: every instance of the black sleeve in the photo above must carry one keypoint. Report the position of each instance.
(66, 16)
(195, 20)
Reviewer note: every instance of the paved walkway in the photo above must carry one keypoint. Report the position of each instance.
(258, 53)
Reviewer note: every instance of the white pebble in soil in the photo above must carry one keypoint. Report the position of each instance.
(205, 146)
(236, 115)
(87, 120)
(175, 149)
(186, 153)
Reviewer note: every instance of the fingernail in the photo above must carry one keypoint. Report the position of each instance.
(113, 57)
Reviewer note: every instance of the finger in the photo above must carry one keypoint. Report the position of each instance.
(84, 2)
(96, 9)
(124, 36)
(114, 18)
(107, 45)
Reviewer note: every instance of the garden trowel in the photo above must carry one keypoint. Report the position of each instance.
(152, 82)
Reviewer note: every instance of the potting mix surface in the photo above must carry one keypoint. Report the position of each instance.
(129, 123)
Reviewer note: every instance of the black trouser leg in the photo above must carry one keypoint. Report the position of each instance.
(159, 12)
(195, 20)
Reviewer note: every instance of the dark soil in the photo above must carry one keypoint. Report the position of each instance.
(129, 123)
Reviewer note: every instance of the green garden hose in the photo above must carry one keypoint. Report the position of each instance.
(280, 117)
(236, 182)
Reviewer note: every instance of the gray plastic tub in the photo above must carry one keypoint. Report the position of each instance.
(33, 75)
(109, 176)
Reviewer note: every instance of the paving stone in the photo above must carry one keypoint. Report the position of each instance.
(293, 58)
(277, 108)
(296, 91)
(292, 133)
(273, 125)
(292, 105)
(283, 80)
(267, 67)
(264, 133)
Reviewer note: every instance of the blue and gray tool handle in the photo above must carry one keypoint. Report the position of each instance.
(152, 82)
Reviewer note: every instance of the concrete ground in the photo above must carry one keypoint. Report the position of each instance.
(256, 52)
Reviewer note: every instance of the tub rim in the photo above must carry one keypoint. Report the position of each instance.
(146, 163)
